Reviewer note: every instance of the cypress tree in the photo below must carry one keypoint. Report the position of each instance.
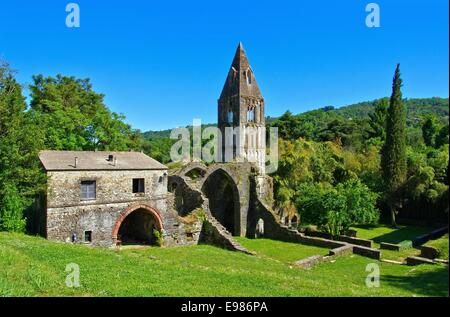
(393, 155)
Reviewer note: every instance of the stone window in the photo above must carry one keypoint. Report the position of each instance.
(249, 77)
(251, 115)
(88, 190)
(230, 117)
(161, 178)
(138, 185)
(260, 228)
(88, 236)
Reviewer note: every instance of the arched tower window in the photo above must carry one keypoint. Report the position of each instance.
(232, 75)
(230, 117)
(251, 115)
(249, 77)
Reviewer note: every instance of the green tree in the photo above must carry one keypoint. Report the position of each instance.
(336, 209)
(74, 117)
(159, 149)
(341, 131)
(377, 119)
(430, 129)
(12, 209)
(287, 126)
(21, 178)
(393, 160)
(442, 137)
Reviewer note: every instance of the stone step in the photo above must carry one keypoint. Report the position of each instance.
(392, 261)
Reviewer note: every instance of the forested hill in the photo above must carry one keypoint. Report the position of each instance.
(416, 110)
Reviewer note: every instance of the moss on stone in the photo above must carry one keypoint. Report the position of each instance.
(193, 217)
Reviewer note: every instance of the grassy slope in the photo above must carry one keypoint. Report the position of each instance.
(284, 252)
(385, 233)
(442, 245)
(32, 266)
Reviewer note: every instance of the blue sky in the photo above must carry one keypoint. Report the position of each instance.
(163, 63)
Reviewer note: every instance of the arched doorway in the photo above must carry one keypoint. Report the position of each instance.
(137, 225)
(223, 196)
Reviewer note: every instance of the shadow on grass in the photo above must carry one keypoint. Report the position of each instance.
(430, 283)
(398, 235)
(401, 234)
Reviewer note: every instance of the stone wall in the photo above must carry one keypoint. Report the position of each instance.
(215, 234)
(112, 187)
(429, 252)
(396, 247)
(67, 214)
(417, 260)
(435, 234)
(367, 252)
(352, 240)
(309, 262)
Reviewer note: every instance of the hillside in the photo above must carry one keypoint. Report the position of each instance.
(416, 109)
(33, 266)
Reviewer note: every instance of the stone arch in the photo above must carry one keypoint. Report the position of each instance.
(224, 199)
(140, 210)
(248, 76)
(197, 169)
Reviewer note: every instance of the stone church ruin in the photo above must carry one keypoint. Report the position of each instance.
(119, 198)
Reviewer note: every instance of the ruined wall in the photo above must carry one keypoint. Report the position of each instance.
(186, 203)
(197, 224)
(67, 214)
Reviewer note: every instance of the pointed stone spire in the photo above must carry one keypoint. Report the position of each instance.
(240, 80)
(241, 106)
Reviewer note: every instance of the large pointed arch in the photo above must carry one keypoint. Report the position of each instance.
(223, 196)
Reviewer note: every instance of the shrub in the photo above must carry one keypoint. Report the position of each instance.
(335, 209)
(11, 210)
(159, 237)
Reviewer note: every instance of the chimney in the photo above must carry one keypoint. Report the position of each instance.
(76, 162)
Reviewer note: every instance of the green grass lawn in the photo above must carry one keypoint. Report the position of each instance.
(33, 266)
(399, 256)
(400, 235)
(384, 233)
(441, 245)
(281, 251)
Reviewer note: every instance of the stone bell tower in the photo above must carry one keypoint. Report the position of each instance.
(241, 114)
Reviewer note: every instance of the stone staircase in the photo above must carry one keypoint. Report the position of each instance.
(222, 236)
(213, 231)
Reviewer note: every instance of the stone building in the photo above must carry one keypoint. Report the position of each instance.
(100, 198)
(241, 114)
